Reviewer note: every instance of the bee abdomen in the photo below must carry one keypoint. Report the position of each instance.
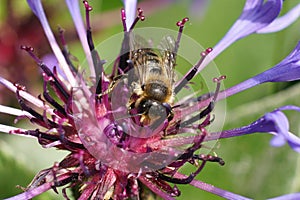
(157, 91)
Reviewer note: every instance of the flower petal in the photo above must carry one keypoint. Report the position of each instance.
(130, 10)
(10, 129)
(50, 61)
(212, 189)
(38, 10)
(274, 123)
(37, 102)
(13, 111)
(81, 31)
(287, 70)
(282, 22)
(293, 196)
(255, 16)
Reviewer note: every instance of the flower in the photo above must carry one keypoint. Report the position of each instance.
(122, 136)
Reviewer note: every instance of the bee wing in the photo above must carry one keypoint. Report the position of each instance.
(139, 57)
(137, 42)
(167, 48)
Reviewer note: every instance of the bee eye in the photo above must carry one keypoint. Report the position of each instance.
(157, 110)
(143, 87)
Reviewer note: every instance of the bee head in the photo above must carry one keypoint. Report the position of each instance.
(153, 112)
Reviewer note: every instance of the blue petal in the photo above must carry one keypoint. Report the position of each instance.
(74, 10)
(287, 70)
(255, 16)
(38, 10)
(130, 10)
(294, 196)
(50, 61)
(34, 6)
(274, 123)
(282, 22)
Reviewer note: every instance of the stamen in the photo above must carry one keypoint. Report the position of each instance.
(20, 87)
(64, 192)
(122, 65)
(61, 32)
(98, 63)
(30, 50)
(63, 94)
(39, 118)
(54, 169)
(65, 49)
(210, 106)
(209, 158)
(140, 16)
(193, 72)
(80, 157)
(218, 81)
(180, 24)
(157, 179)
(88, 8)
(123, 17)
(202, 157)
(52, 101)
(56, 84)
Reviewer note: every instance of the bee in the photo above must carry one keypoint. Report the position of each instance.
(151, 81)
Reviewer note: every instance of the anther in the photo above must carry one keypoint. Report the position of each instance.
(30, 50)
(123, 17)
(27, 48)
(140, 16)
(219, 79)
(180, 24)
(206, 52)
(87, 6)
(20, 87)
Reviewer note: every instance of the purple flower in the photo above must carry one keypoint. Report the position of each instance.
(275, 123)
(123, 130)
